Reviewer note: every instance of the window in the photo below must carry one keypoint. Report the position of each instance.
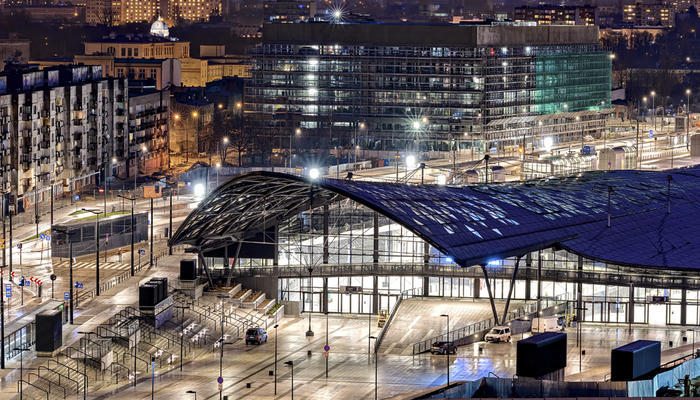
(136, 51)
(123, 52)
(129, 52)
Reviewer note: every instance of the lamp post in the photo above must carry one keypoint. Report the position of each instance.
(291, 365)
(87, 334)
(97, 248)
(297, 132)
(182, 333)
(133, 200)
(310, 333)
(195, 114)
(218, 166)
(70, 271)
(448, 347)
(376, 367)
(276, 325)
(653, 96)
(687, 125)
(224, 154)
(21, 367)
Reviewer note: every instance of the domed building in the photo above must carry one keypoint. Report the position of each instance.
(160, 28)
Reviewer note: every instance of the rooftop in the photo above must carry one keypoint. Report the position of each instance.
(475, 224)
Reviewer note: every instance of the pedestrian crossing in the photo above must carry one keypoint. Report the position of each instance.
(91, 265)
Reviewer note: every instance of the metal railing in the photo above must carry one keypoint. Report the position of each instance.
(624, 278)
(415, 292)
(49, 382)
(20, 390)
(77, 385)
(478, 327)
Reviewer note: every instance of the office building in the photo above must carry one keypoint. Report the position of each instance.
(390, 87)
(148, 129)
(59, 127)
(139, 46)
(120, 12)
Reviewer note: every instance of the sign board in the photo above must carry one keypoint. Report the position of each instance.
(66, 296)
(76, 197)
(42, 236)
(327, 348)
(53, 277)
(142, 252)
(651, 133)
(102, 190)
(19, 246)
(220, 380)
(79, 285)
(350, 289)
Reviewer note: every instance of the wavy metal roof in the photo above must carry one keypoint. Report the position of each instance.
(476, 223)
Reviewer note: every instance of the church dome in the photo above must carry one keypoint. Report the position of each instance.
(160, 28)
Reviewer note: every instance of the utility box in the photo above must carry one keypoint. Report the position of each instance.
(188, 270)
(634, 360)
(542, 356)
(49, 333)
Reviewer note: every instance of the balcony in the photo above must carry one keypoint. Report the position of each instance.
(77, 122)
(78, 136)
(44, 144)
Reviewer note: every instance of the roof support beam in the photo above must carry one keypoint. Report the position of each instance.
(488, 288)
(510, 290)
(206, 269)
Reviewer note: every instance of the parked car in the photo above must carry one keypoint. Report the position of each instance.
(498, 334)
(443, 347)
(255, 335)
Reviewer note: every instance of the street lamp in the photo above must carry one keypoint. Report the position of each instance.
(70, 271)
(290, 363)
(376, 367)
(687, 125)
(314, 173)
(653, 96)
(195, 114)
(133, 200)
(225, 142)
(21, 366)
(276, 325)
(218, 166)
(97, 248)
(448, 347)
(297, 132)
(192, 392)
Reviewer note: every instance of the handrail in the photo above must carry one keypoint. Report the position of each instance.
(119, 365)
(77, 385)
(158, 349)
(164, 334)
(476, 327)
(38, 377)
(19, 387)
(405, 294)
(130, 354)
(72, 350)
(69, 368)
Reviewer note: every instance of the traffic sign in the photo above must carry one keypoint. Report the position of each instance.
(102, 190)
(19, 246)
(42, 236)
(326, 348)
(651, 133)
(52, 277)
(77, 197)
(66, 296)
(78, 285)
(220, 380)
(220, 387)
(142, 252)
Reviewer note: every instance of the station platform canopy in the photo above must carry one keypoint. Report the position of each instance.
(652, 215)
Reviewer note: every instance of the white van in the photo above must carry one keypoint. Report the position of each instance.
(546, 324)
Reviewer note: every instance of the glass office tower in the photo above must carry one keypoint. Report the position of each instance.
(398, 87)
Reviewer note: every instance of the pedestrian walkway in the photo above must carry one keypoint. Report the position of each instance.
(91, 265)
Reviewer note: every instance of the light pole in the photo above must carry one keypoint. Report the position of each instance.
(21, 366)
(448, 347)
(97, 247)
(376, 366)
(276, 325)
(218, 166)
(195, 114)
(133, 200)
(687, 125)
(182, 333)
(297, 132)
(311, 289)
(291, 365)
(192, 392)
(224, 154)
(653, 107)
(70, 271)
(87, 334)
(327, 344)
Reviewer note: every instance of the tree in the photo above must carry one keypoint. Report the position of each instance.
(229, 127)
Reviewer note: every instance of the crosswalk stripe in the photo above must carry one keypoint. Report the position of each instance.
(89, 265)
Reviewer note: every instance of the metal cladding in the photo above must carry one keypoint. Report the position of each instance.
(541, 354)
(474, 224)
(634, 360)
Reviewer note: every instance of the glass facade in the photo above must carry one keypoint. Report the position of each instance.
(420, 98)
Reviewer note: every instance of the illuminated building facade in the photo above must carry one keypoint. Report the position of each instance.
(561, 15)
(641, 14)
(427, 87)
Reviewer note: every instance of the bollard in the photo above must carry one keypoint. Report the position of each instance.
(308, 353)
(670, 343)
(481, 349)
(685, 338)
(270, 373)
(583, 352)
(247, 385)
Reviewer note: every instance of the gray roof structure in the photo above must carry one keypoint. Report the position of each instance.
(475, 224)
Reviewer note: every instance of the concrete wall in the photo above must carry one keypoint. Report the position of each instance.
(265, 285)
